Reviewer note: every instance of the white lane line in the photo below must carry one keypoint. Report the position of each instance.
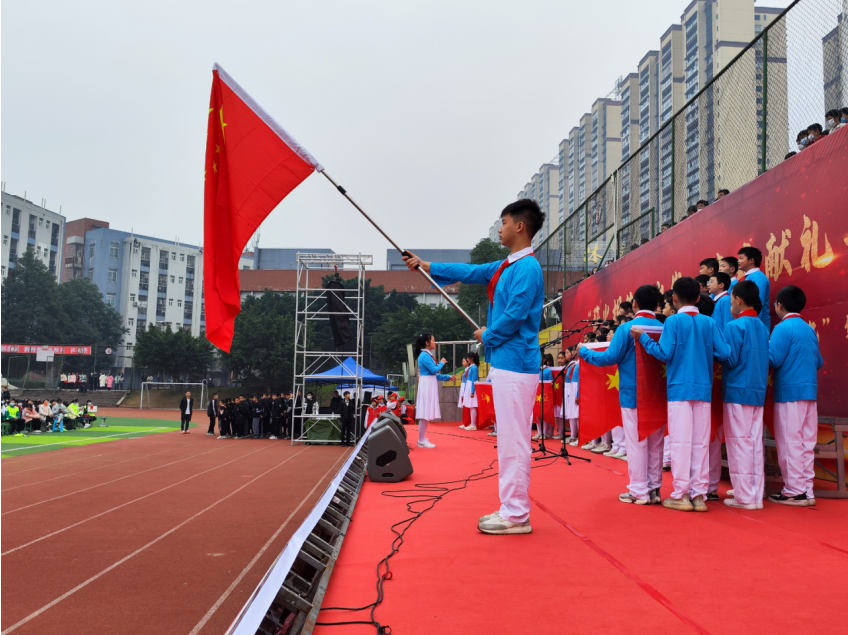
(45, 467)
(80, 491)
(82, 585)
(244, 571)
(77, 524)
(108, 436)
(144, 456)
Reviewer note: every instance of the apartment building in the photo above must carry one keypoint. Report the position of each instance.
(27, 225)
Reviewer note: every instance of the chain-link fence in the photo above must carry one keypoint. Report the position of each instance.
(729, 124)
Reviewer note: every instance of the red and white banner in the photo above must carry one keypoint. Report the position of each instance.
(56, 350)
(251, 165)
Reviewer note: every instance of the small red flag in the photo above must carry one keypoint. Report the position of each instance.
(651, 388)
(549, 403)
(600, 409)
(485, 404)
(559, 384)
(251, 165)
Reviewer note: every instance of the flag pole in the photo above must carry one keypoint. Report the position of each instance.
(403, 252)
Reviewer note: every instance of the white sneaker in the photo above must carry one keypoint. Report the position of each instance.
(623, 457)
(556, 437)
(535, 437)
(210, 434)
(470, 428)
(272, 437)
(589, 446)
(732, 502)
(496, 525)
(600, 448)
(426, 444)
(573, 442)
(492, 434)
(611, 453)
(730, 493)
(462, 427)
(487, 517)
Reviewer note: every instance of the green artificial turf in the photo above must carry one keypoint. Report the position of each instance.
(118, 428)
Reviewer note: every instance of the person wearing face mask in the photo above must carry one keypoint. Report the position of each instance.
(843, 119)
(802, 140)
(832, 119)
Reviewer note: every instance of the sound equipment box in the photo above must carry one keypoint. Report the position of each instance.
(388, 418)
(388, 455)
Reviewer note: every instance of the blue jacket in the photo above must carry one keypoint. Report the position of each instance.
(575, 378)
(762, 282)
(733, 281)
(794, 354)
(427, 366)
(473, 374)
(464, 378)
(512, 334)
(547, 375)
(744, 375)
(721, 312)
(687, 345)
(621, 351)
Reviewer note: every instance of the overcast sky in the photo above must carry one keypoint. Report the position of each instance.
(432, 114)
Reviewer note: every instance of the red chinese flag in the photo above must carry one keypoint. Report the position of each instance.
(466, 416)
(559, 384)
(716, 404)
(651, 388)
(600, 410)
(549, 403)
(251, 165)
(485, 404)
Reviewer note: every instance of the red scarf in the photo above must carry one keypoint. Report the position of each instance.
(647, 314)
(789, 316)
(494, 281)
(747, 313)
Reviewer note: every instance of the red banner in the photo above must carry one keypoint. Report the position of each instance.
(651, 389)
(794, 213)
(485, 404)
(717, 404)
(549, 403)
(600, 410)
(34, 348)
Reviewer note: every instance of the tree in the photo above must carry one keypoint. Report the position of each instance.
(89, 320)
(173, 352)
(262, 352)
(473, 297)
(31, 310)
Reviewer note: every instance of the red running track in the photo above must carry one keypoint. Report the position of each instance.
(164, 534)
(592, 564)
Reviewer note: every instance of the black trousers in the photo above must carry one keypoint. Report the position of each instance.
(224, 427)
(286, 423)
(211, 424)
(184, 421)
(347, 425)
(277, 427)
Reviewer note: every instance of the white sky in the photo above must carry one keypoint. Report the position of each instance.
(432, 114)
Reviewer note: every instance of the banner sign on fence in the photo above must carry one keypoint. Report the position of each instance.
(34, 348)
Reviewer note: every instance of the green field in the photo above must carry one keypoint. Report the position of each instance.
(119, 428)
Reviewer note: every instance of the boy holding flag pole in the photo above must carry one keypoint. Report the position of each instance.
(644, 457)
(516, 295)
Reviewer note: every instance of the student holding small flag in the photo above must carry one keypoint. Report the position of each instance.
(688, 344)
(795, 357)
(744, 379)
(516, 295)
(644, 458)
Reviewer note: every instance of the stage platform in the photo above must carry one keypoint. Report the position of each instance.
(592, 564)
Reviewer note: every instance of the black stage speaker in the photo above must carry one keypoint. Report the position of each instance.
(387, 418)
(388, 456)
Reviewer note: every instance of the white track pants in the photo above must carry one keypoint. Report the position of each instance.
(514, 395)
(689, 446)
(644, 458)
(796, 425)
(743, 431)
(618, 439)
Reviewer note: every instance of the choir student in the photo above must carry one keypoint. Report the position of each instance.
(562, 363)
(795, 357)
(750, 259)
(688, 344)
(516, 294)
(427, 400)
(470, 399)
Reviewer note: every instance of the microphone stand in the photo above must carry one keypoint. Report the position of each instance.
(563, 452)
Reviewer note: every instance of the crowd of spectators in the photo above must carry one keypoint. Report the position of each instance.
(51, 415)
(83, 382)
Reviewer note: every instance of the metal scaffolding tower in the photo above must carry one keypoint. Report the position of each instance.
(311, 306)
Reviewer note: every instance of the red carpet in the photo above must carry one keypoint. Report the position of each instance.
(592, 564)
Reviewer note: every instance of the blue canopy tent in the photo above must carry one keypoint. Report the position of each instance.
(346, 373)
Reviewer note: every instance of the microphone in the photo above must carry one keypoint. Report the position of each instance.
(593, 321)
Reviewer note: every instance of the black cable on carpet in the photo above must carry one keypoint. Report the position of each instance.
(432, 494)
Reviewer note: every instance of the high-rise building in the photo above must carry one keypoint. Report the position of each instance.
(835, 63)
(42, 231)
(544, 189)
(672, 80)
(564, 183)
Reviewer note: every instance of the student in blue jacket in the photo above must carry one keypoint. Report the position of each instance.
(719, 286)
(516, 294)
(469, 398)
(688, 344)
(644, 458)
(795, 357)
(743, 389)
(427, 398)
(749, 259)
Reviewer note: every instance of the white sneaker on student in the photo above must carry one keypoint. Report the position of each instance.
(589, 446)
(611, 453)
(574, 442)
(496, 525)
(462, 427)
(426, 444)
(272, 437)
(600, 448)
(487, 517)
(470, 428)
(732, 502)
(492, 434)
(618, 455)
(556, 437)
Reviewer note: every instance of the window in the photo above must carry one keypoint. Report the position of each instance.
(142, 325)
(130, 322)
(182, 257)
(8, 209)
(163, 259)
(38, 251)
(163, 283)
(41, 222)
(135, 248)
(160, 307)
(112, 275)
(4, 268)
(172, 279)
(173, 255)
(110, 299)
(129, 344)
(132, 297)
(16, 220)
(91, 247)
(135, 273)
(113, 249)
(145, 256)
(90, 274)
(6, 241)
(181, 279)
(179, 303)
(170, 301)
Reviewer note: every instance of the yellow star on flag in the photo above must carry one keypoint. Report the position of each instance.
(486, 397)
(223, 125)
(612, 381)
(663, 371)
(556, 386)
(539, 398)
(215, 167)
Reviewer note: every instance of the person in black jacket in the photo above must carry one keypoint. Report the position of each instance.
(258, 410)
(267, 404)
(242, 417)
(346, 413)
(225, 413)
(336, 403)
(213, 411)
(186, 408)
(287, 419)
(278, 407)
